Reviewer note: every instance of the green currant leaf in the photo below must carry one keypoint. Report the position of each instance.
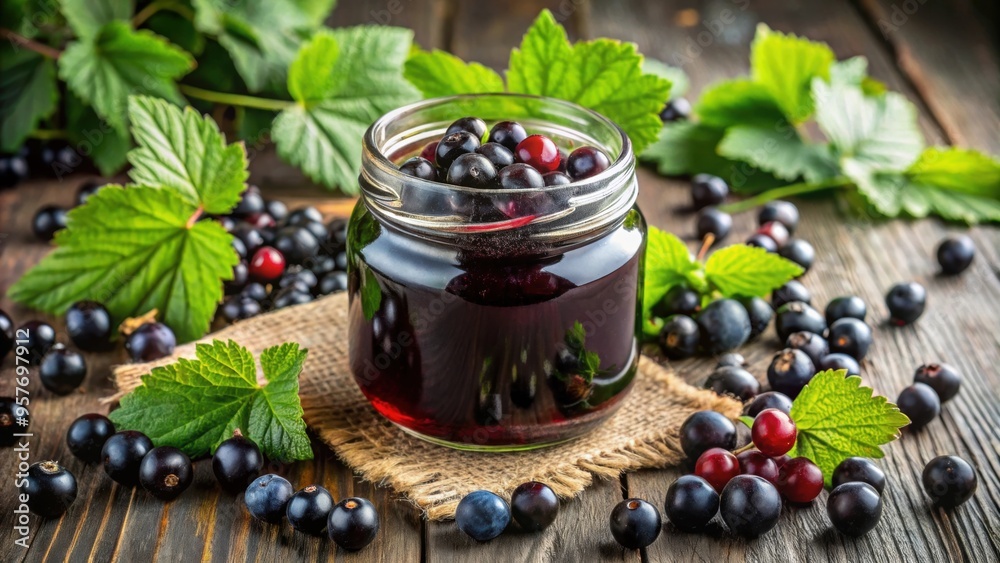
(87, 17)
(95, 138)
(28, 94)
(437, 73)
(739, 102)
(668, 263)
(786, 66)
(779, 150)
(679, 81)
(748, 271)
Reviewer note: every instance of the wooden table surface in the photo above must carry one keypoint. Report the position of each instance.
(941, 56)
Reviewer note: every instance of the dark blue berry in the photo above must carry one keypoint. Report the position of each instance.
(13, 170)
(798, 316)
(534, 506)
(241, 275)
(50, 489)
(520, 176)
(236, 463)
(556, 179)
(724, 326)
(472, 170)
(768, 400)
(304, 215)
(955, 254)
(239, 307)
(734, 381)
(353, 523)
(419, 168)
(6, 335)
(760, 313)
(250, 204)
(290, 296)
(472, 125)
(497, 154)
(122, 453)
(62, 370)
(839, 361)
(482, 515)
(585, 162)
(309, 509)
(713, 222)
(87, 189)
(762, 241)
(942, 378)
(790, 371)
(732, 359)
(814, 345)
(89, 326)
(906, 302)
(799, 251)
(859, 470)
(850, 336)
(677, 109)
(920, 404)
(783, 212)
(255, 291)
(151, 341)
(10, 413)
(708, 190)
(679, 337)
(267, 496)
(791, 291)
(635, 523)
(86, 436)
(166, 472)
(47, 221)
(296, 243)
(854, 508)
(333, 282)
(508, 134)
(39, 337)
(750, 506)
(848, 306)
(454, 145)
(691, 503)
(679, 300)
(949, 480)
(704, 430)
(277, 210)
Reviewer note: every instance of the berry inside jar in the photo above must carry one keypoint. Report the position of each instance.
(494, 269)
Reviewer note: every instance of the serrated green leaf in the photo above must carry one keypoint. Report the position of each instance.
(371, 292)
(196, 404)
(854, 72)
(779, 150)
(437, 73)
(254, 125)
(95, 138)
(739, 102)
(961, 170)
(178, 30)
(837, 418)
(667, 263)
(87, 17)
(323, 138)
(28, 93)
(576, 337)
(679, 81)
(879, 133)
(310, 78)
(104, 70)
(187, 153)
(135, 250)
(786, 66)
(748, 271)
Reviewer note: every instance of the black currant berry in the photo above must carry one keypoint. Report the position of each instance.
(47, 221)
(507, 133)
(768, 400)
(556, 179)
(585, 162)
(6, 335)
(839, 361)
(237, 462)
(713, 222)
(949, 480)
(799, 251)
(942, 378)
(267, 497)
(920, 404)
(814, 345)
(677, 109)
(534, 506)
(762, 241)
(704, 430)
(708, 190)
(13, 170)
(854, 508)
(472, 170)
(859, 469)
(734, 381)
(679, 300)
(790, 371)
(250, 204)
(333, 282)
(353, 523)
(10, 415)
(679, 337)
(49, 487)
(87, 189)
(166, 472)
(724, 325)
(906, 302)
(151, 341)
(732, 359)
(238, 307)
(308, 509)
(850, 336)
(122, 453)
(304, 215)
(635, 523)
(86, 436)
(691, 503)
(277, 210)
(750, 506)
(454, 145)
(89, 326)
(498, 155)
(955, 254)
(520, 176)
(473, 125)
(791, 291)
(849, 306)
(760, 313)
(783, 212)
(289, 296)
(296, 243)
(419, 168)
(798, 316)
(62, 370)
(39, 336)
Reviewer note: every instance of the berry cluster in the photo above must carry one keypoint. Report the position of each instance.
(46, 159)
(484, 515)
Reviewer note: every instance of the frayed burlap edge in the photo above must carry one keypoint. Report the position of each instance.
(642, 434)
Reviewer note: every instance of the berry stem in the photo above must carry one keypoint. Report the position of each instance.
(235, 99)
(745, 448)
(705, 245)
(22, 41)
(158, 5)
(783, 192)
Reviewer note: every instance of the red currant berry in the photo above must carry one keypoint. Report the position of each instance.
(539, 151)
(799, 480)
(753, 462)
(717, 466)
(775, 230)
(267, 264)
(773, 432)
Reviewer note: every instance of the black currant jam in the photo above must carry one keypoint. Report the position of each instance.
(495, 319)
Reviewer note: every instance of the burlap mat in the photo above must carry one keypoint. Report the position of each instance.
(643, 433)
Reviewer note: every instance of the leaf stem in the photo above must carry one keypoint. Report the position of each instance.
(195, 216)
(22, 41)
(235, 99)
(786, 191)
(158, 5)
(49, 134)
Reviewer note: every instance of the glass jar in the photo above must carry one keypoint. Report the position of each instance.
(495, 319)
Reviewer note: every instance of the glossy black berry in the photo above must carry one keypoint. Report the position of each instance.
(13, 170)
(87, 189)
(304, 215)
(241, 275)
(534, 506)
(944, 379)
(6, 335)
(949, 480)
(419, 168)
(791, 291)
(635, 523)
(498, 155)
(724, 326)
(848, 306)
(850, 336)
(679, 337)
(151, 341)
(768, 400)
(783, 212)
(10, 414)
(454, 145)
(267, 497)
(333, 282)
(354, 523)
(762, 241)
(62, 370)
(472, 170)
(790, 371)
(799, 251)
(520, 176)
(691, 503)
(54, 159)
(47, 221)
(122, 453)
(814, 345)
(708, 190)
(308, 510)
(166, 472)
(238, 308)
(276, 209)
(733, 381)
(839, 362)
(304, 280)
(704, 430)
(508, 134)
(679, 300)
(290, 296)
(585, 162)
(713, 222)
(86, 436)
(255, 291)
(906, 302)
(296, 243)
(732, 359)
(38, 337)
(49, 487)
(250, 204)
(859, 470)
(677, 109)
(89, 326)
(473, 125)
(556, 179)
(798, 316)
(955, 254)
(236, 463)
(854, 508)
(760, 313)
(920, 404)
(482, 515)
(750, 506)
